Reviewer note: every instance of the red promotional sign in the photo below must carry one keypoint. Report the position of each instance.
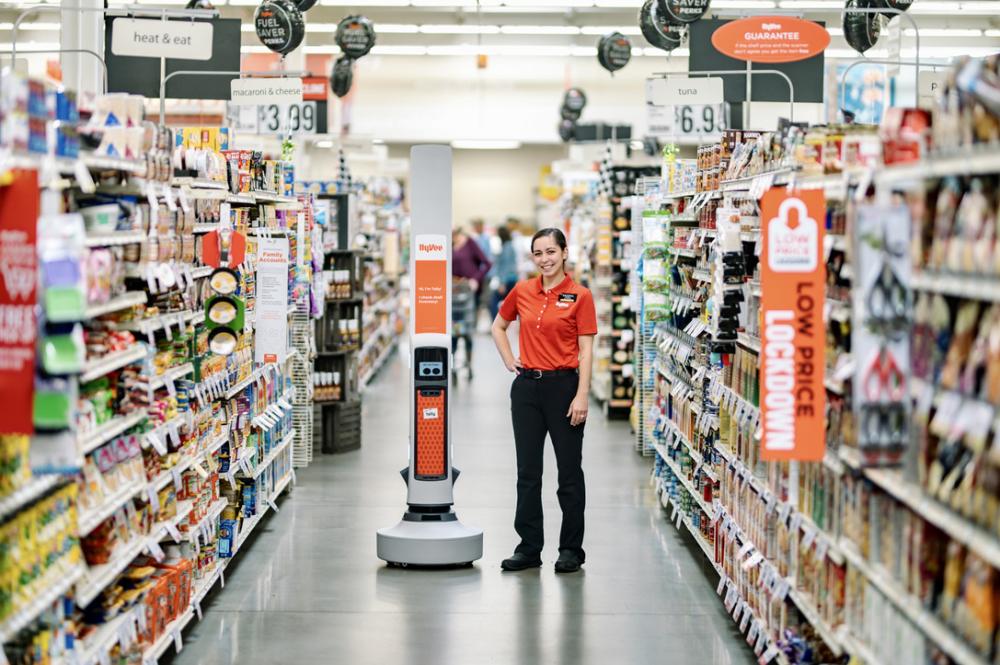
(315, 88)
(793, 335)
(18, 280)
(771, 39)
(430, 284)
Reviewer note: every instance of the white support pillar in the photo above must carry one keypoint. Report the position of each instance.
(81, 72)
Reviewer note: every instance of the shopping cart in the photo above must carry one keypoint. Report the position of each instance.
(463, 325)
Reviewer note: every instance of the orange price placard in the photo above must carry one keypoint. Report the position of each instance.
(793, 335)
(771, 39)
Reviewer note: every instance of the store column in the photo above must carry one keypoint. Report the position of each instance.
(82, 30)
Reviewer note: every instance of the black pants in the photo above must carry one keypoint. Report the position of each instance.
(538, 407)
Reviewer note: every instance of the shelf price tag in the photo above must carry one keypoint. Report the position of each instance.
(154, 549)
(174, 533)
(197, 609)
(722, 585)
(178, 642)
(86, 184)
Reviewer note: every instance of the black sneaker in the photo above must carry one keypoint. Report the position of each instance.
(520, 562)
(568, 563)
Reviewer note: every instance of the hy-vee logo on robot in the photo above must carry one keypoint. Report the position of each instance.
(431, 248)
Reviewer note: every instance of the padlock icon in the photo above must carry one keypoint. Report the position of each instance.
(792, 245)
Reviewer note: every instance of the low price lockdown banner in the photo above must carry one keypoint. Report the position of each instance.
(793, 335)
(18, 295)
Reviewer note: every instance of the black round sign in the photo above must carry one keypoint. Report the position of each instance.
(657, 31)
(279, 25)
(566, 130)
(682, 11)
(861, 30)
(569, 114)
(355, 36)
(901, 5)
(614, 51)
(342, 76)
(304, 5)
(574, 100)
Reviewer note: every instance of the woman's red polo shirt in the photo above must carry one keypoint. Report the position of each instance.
(551, 322)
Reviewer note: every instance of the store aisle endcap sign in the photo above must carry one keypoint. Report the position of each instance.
(147, 38)
(771, 39)
(684, 91)
(271, 309)
(793, 295)
(266, 91)
(431, 285)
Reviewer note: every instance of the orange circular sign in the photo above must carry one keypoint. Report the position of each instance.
(771, 39)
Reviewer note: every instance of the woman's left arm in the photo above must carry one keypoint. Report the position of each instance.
(578, 408)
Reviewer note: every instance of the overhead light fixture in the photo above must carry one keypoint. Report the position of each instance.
(605, 29)
(32, 26)
(540, 30)
(393, 49)
(981, 7)
(811, 4)
(744, 4)
(459, 29)
(485, 144)
(394, 28)
(945, 32)
(325, 143)
(378, 141)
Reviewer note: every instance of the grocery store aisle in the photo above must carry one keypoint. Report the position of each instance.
(309, 589)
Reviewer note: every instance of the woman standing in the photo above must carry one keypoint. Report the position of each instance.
(549, 396)
(505, 270)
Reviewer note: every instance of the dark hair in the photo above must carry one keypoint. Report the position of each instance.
(503, 233)
(557, 236)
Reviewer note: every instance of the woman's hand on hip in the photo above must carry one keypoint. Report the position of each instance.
(577, 413)
(513, 365)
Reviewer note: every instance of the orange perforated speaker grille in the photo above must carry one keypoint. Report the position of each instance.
(431, 433)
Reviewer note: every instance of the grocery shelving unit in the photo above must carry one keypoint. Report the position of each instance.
(795, 530)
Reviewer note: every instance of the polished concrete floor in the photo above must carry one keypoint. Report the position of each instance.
(309, 589)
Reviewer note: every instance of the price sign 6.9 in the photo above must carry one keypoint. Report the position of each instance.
(696, 122)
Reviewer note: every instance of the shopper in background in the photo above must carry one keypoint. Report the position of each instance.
(482, 238)
(469, 266)
(549, 396)
(504, 271)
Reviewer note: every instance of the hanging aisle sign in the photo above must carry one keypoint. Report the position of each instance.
(271, 314)
(430, 285)
(679, 91)
(771, 39)
(793, 334)
(685, 109)
(146, 38)
(265, 91)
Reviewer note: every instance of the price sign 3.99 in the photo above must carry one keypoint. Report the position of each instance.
(300, 118)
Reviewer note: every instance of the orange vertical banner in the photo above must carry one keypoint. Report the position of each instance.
(793, 334)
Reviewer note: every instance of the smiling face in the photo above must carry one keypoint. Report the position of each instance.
(549, 258)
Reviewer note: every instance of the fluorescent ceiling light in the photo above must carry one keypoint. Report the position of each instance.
(394, 28)
(605, 29)
(854, 55)
(390, 49)
(456, 29)
(325, 143)
(992, 33)
(945, 32)
(319, 27)
(982, 7)
(743, 4)
(365, 3)
(539, 30)
(378, 141)
(484, 144)
(811, 4)
(32, 26)
(30, 46)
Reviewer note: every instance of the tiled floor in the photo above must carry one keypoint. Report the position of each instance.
(309, 589)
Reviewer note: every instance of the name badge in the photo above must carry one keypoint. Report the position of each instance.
(567, 297)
